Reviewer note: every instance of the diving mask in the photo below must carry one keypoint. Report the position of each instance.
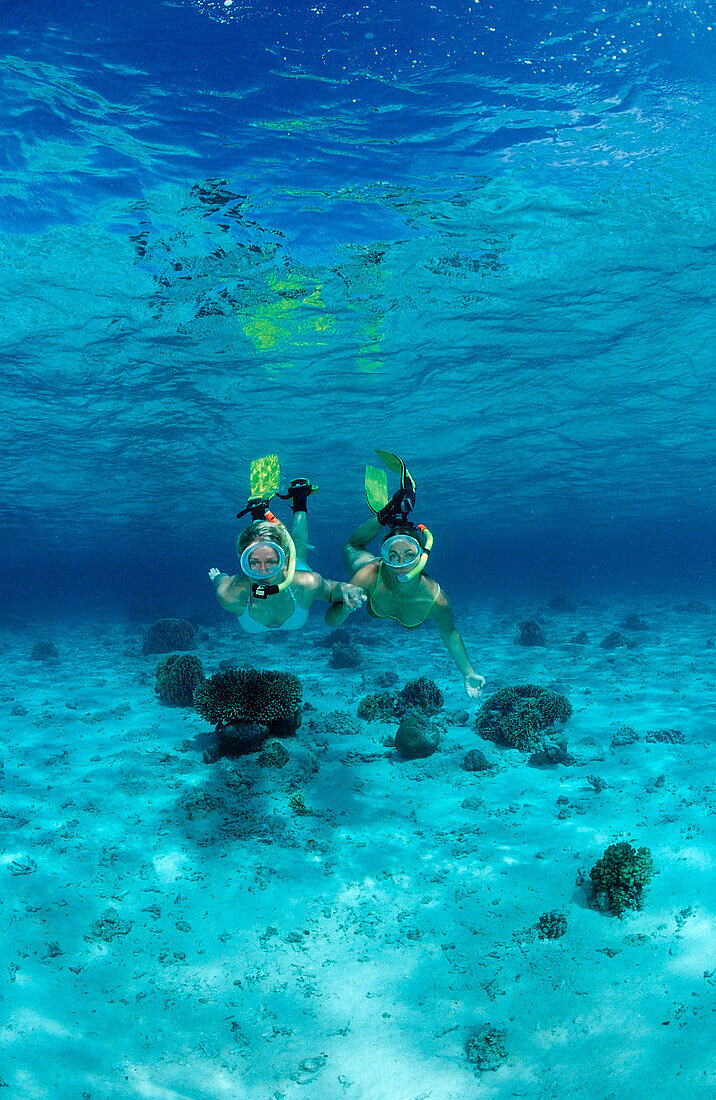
(401, 552)
(263, 561)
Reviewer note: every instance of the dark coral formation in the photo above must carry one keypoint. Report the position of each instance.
(625, 735)
(519, 715)
(665, 737)
(387, 679)
(169, 635)
(177, 677)
(297, 802)
(531, 633)
(457, 717)
(552, 750)
(476, 761)
(253, 695)
(44, 651)
(377, 706)
(421, 694)
(552, 925)
(694, 607)
(634, 622)
(235, 739)
(485, 1050)
(345, 655)
(613, 640)
(274, 754)
(108, 926)
(620, 876)
(417, 737)
(580, 638)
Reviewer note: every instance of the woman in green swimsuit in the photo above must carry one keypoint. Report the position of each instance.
(396, 588)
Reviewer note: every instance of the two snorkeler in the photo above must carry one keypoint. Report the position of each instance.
(393, 585)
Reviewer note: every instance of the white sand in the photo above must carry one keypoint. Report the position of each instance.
(252, 953)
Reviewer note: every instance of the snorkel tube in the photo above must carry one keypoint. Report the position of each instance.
(422, 560)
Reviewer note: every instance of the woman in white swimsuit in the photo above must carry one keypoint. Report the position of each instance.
(270, 557)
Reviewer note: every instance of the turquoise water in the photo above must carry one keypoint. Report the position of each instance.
(480, 235)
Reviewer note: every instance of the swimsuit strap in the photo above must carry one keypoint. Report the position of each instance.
(395, 617)
(294, 621)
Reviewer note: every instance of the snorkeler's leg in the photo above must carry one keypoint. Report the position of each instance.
(299, 534)
(355, 552)
(298, 493)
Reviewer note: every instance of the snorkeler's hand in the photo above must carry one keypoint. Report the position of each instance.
(214, 573)
(474, 685)
(353, 596)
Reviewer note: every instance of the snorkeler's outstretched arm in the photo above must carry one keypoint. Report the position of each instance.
(226, 593)
(339, 594)
(442, 614)
(355, 595)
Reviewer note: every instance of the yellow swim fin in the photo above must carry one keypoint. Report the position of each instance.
(264, 477)
(397, 466)
(389, 510)
(376, 489)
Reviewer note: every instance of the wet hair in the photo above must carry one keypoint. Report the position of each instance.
(261, 530)
(409, 532)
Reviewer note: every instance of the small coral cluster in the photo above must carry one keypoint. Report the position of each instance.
(531, 633)
(419, 696)
(485, 1050)
(345, 655)
(178, 675)
(377, 706)
(519, 715)
(274, 754)
(167, 635)
(251, 695)
(619, 877)
(552, 925)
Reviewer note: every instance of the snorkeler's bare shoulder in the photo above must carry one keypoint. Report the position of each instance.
(366, 577)
(307, 586)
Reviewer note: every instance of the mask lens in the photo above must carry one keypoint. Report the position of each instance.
(263, 561)
(401, 551)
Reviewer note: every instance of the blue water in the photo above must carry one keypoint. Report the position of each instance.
(480, 235)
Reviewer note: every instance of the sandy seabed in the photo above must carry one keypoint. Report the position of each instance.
(174, 930)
